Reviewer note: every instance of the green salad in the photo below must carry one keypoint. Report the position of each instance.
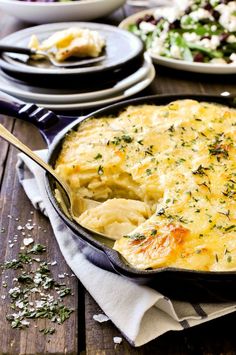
(199, 31)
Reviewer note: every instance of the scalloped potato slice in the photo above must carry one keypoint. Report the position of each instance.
(152, 245)
(70, 42)
(115, 217)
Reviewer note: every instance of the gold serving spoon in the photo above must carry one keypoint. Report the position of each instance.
(72, 206)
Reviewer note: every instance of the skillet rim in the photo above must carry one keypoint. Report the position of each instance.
(114, 257)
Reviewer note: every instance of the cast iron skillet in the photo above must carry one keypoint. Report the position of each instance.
(172, 282)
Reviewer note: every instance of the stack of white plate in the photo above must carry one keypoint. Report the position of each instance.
(124, 72)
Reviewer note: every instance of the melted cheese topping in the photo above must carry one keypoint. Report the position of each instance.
(74, 41)
(180, 161)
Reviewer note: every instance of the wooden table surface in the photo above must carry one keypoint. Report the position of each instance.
(80, 333)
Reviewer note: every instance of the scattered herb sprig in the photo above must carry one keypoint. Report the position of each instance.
(40, 283)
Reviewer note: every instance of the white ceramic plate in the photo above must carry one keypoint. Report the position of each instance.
(180, 64)
(81, 10)
(56, 96)
(141, 85)
(121, 47)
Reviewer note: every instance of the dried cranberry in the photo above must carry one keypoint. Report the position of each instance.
(223, 37)
(188, 10)
(148, 18)
(208, 7)
(216, 15)
(154, 22)
(205, 37)
(138, 21)
(198, 57)
(175, 24)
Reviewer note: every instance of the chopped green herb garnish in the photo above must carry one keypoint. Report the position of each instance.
(160, 212)
(227, 229)
(135, 236)
(37, 249)
(98, 156)
(47, 331)
(200, 171)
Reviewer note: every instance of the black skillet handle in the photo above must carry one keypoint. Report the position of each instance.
(16, 49)
(45, 120)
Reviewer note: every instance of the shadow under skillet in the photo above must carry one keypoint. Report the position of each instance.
(83, 82)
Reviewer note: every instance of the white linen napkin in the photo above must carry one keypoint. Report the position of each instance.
(141, 313)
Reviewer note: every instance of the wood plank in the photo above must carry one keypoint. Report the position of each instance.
(31, 341)
(4, 146)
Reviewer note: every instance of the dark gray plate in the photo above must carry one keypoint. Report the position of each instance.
(121, 48)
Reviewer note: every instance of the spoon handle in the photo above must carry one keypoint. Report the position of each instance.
(16, 49)
(5, 134)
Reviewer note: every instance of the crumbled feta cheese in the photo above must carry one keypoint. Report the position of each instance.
(29, 226)
(233, 57)
(191, 37)
(146, 27)
(19, 228)
(200, 14)
(157, 46)
(14, 289)
(27, 241)
(218, 61)
(117, 340)
(37, 278)
(169, 13)
(215, 41)
(61, 276)
(3, 297)
(175, 52)
(210, 43)
(53, 263)
(213, 28)
(19, 304)
(183, 4)
(214, 2)
(227, 18)
(231, 39)
(100, 318)
(39, 304)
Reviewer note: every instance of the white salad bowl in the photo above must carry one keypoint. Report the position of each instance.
(45, 12)
(204, 68)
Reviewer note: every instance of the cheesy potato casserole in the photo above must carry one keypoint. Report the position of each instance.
(164, 178)
(71, 42)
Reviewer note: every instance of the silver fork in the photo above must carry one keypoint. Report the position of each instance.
(32, 52)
